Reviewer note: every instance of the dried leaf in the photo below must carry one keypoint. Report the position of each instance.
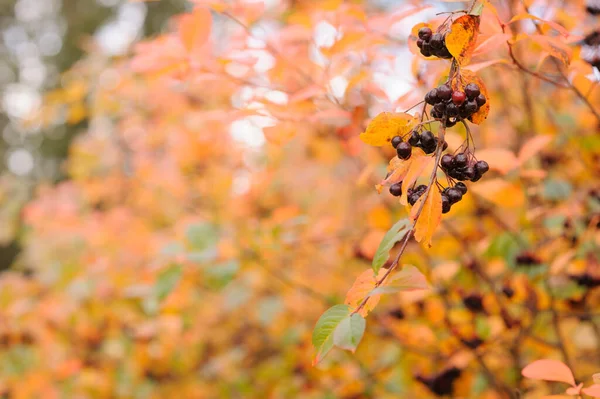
(386, 125)
(430, 217)
(462, 38)
(549, 370)
(361, 288)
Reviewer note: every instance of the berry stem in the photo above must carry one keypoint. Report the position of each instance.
(410, 233)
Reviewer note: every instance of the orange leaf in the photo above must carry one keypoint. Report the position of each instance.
(397, 170)
(386, 125)
(499, 159)
(532, 147)
(462, 38)
(364, 284)
(194, 28)
(549, 370)
(500, 192)
(430, 217)
(419, 161)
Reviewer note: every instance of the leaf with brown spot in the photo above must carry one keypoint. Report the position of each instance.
(462, 38)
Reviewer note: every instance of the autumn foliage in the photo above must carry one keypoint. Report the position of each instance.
(226, 228)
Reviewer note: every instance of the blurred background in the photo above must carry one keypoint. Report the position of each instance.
(40, 41)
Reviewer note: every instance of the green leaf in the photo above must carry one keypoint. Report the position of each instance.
(201, 235)
(218, 276)
(407, 279)
(322, 338)
(556, 190)
(349, 332)
(390, 239)
(167, 280)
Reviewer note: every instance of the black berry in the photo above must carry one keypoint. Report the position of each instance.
(473, 302)
(396, 140)
(444, 92)
(481, 167)
(462, 187)
(460, 160)
(446, 205)
(437, 41)
(432, 97)
(454, 195)
(404, 150)
(481, 100)
(428, 139)
(419, 43)
(472, 91)
(452, 110)
(425, 33)
(414, 139)
(469, 173)
(396, 189)
(471, 107)
(447, 161)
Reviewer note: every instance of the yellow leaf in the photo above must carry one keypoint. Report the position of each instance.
(364, 284)
(194, 28)
(386, 125)
(430, 217)
(418, 163)
(467, 77)
(462, 38)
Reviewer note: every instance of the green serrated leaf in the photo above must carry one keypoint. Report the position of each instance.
(322, 338)
(349, 332)
(393, 235)
(166, 281)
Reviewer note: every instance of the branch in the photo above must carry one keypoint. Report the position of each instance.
(410, 233)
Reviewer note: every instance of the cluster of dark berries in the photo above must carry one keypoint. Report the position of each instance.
(425, 140)
(432, 44)
(452, 195)
(460, 167)
(593, 7)
(590, 49)
(415, 193)
(455, 104)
